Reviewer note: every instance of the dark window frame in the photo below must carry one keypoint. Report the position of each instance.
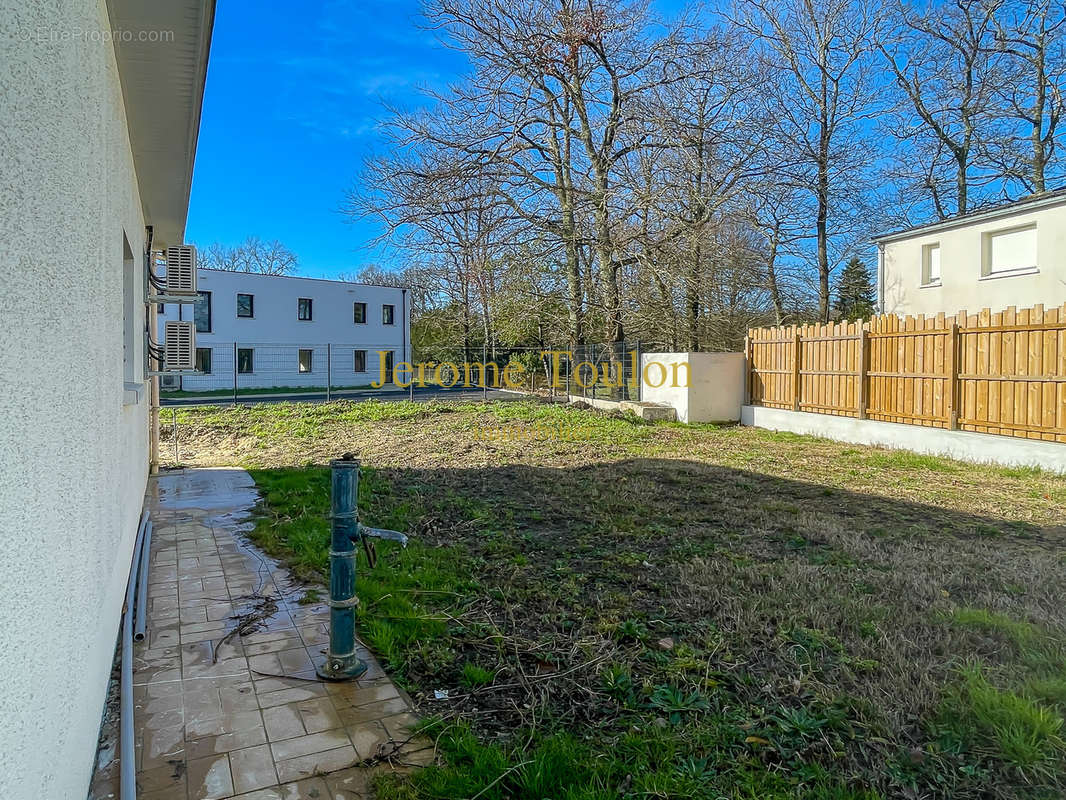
(300, 361)
(251, 306)
(251, 360)
(356, 360)
(391, 314)
(206, 296)
(300, 309)
(356, 307)
(197, 362)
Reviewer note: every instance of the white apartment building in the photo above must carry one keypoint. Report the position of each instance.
(1009, 255)
(100, 102)
(264, 331)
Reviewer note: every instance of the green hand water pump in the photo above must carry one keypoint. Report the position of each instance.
(341, 662)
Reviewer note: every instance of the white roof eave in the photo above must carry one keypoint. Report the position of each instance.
(162, 62)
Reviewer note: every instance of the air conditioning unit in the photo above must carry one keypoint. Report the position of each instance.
(181, 271)
(179, 346)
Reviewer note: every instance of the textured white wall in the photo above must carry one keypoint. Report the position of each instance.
(714, 390)
(276, 333)
(73, 456)
(962, 286)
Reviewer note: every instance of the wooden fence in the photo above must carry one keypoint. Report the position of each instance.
(1001, 373)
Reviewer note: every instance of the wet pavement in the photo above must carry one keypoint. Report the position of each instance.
(219, 714)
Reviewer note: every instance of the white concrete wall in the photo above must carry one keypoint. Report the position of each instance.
(73, 444)
(276, 334)
(962, 285)
(713, 391)
(978, 448)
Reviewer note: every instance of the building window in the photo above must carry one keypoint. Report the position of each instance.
(303, 311)
(203, 360)
(388, 315)
(931, 263)
(245, 360)
(202, 312)
(245, 305)
(305, 360)
(1008, 250)
(388, 366)
(360, 361)
(360, 313)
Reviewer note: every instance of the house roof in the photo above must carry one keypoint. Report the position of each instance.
(1031, 203)
(301, 278)
(162, 63)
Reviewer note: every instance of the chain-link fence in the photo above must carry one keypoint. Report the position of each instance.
(236, 370)
(250, 371)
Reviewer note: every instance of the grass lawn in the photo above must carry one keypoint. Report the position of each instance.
(623, 610)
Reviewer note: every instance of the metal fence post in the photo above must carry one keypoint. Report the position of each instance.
(569, 365)
(341, 661)
(234, 373)
(638, 370)
(485, 371)
(329, 372)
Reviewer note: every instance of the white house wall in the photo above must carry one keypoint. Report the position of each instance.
(73, 440)
(276, 334)
(962, 286)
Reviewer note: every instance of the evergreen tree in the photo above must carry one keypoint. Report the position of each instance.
(855, 292)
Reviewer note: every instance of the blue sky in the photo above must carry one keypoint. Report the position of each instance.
(294, 94)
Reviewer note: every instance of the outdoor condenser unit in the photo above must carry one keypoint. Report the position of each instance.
(181, 271)
(180, 346)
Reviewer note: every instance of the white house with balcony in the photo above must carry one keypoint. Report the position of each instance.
(263, 331)
(1010, 255)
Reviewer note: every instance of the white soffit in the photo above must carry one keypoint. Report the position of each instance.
(162, 60)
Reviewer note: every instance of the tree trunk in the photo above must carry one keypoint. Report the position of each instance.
(573, 278)
(771, 279)
(823, 236)
(961, 158)
(692, 299)
(609, 269)
(1039, 105)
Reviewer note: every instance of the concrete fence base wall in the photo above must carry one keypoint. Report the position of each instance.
(980, 448)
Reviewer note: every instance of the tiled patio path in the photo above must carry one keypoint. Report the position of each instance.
(215, 718)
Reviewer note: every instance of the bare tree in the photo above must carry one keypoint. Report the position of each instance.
(251, 255)
(817, 50)
(1032, 34)
(449, 219)
(708, 149)
(779, 214)
(940, 59)
(547, 113)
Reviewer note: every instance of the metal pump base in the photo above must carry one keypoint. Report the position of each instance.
(333, 668)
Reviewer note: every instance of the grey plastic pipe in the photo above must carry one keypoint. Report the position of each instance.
(140, 617)
(127, 760)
